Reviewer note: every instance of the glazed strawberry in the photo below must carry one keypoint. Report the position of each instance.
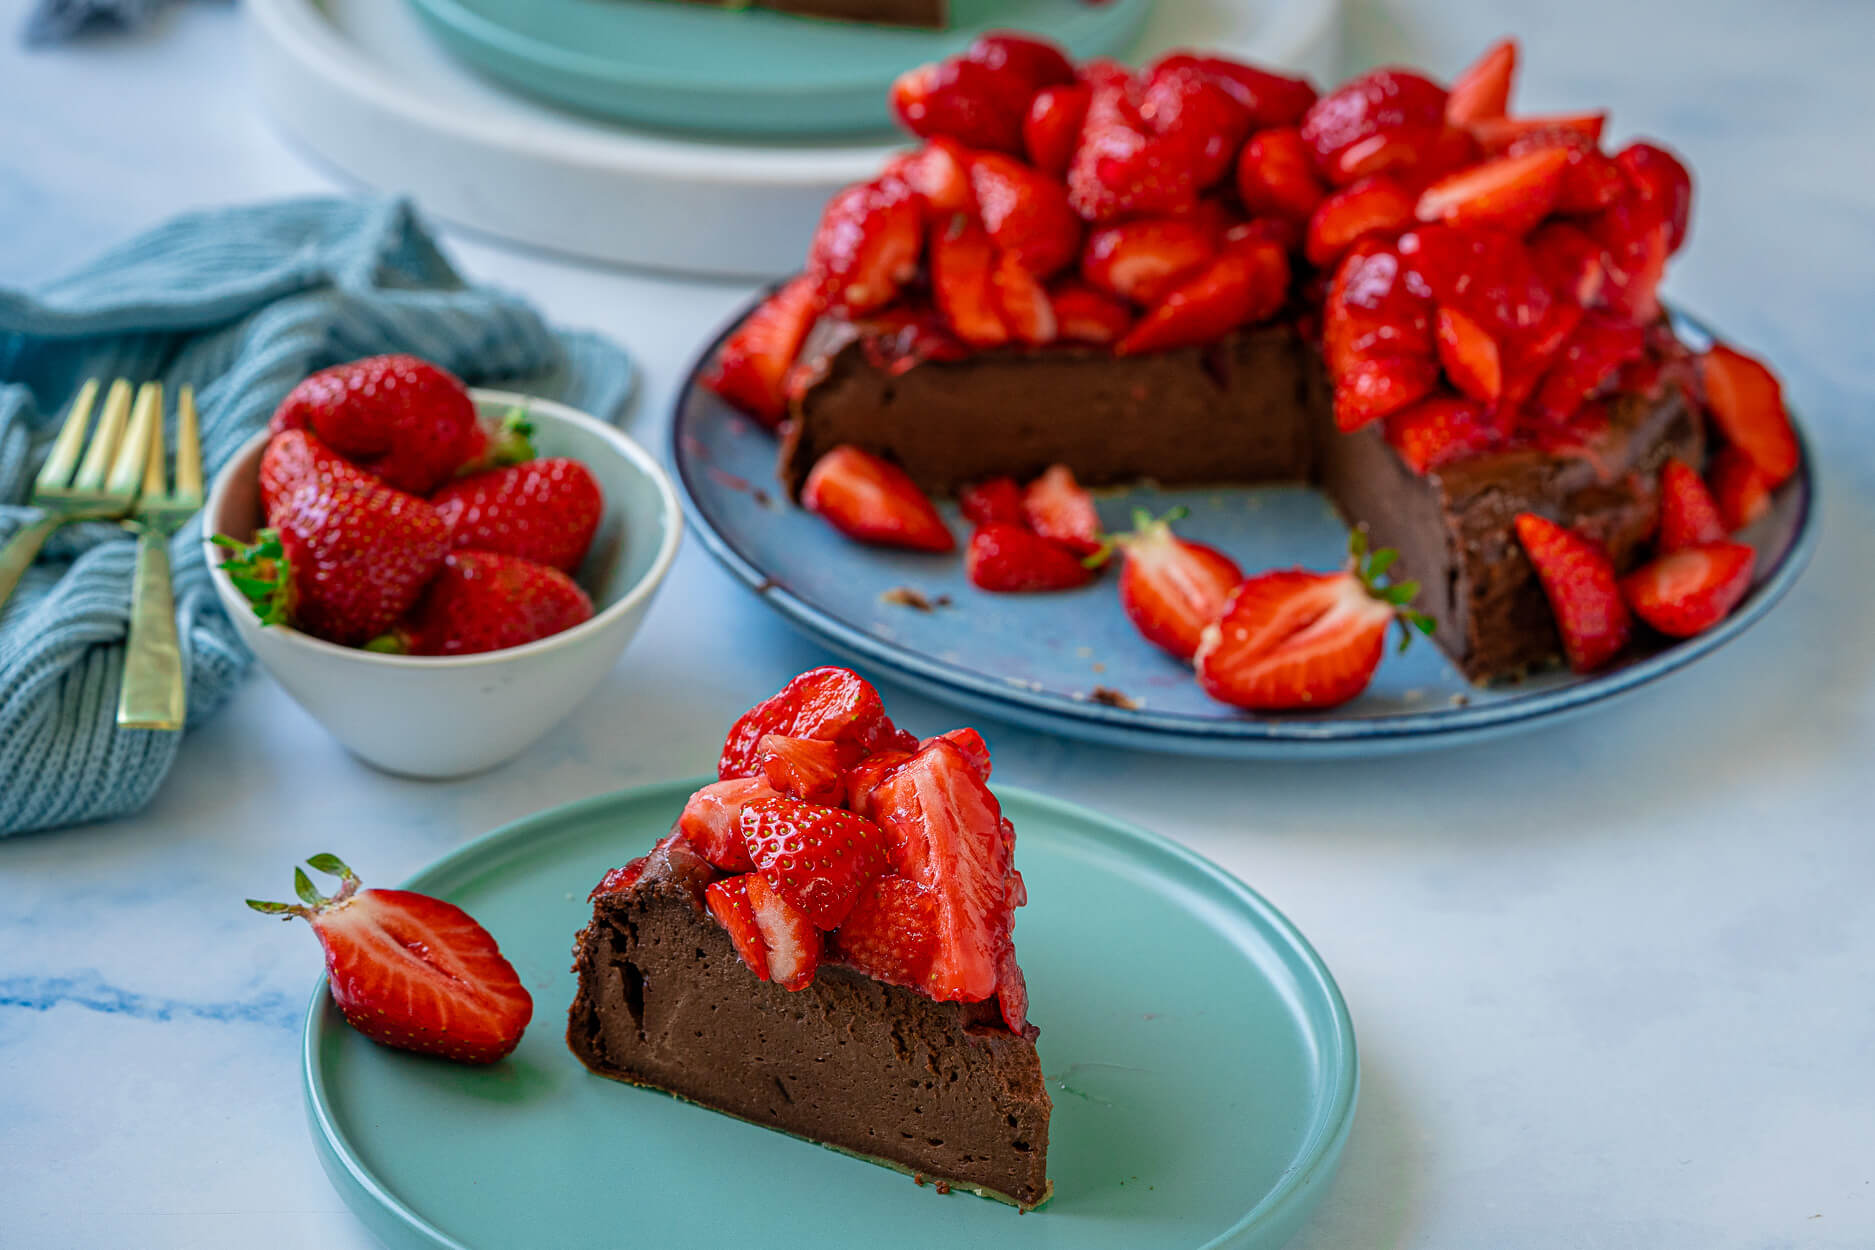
(891, 933)
(544, 510)
(1740, 488)
(832, 704)
(1035, 63)
(971, 743)
(1270, 99)
(1123, 168)
(1590, 179)
(1276, 174)
(814, 857)
(1485, 274)
(1633, 237)
(1378, 386)
(1690, 591)
(1600, 345)
(1060, 510)
(963, 264)
(294, 458)
(975, 104)
(1021, 301)
(1483, 90)
(401, 419)
(1145, 260)
(944, 828)
(864, 778)
(1013, 559)
(411, 971)
(1238, 287)
(802, 768)
(1384, 120)
(481, 601)
(1295, 639)
(939, 171)
(1026, 213)
(1170, 587)
(1746, 402)
(750, 368)
(1084, 315)
(1661, 183)
(1569, 260)
(1052, 129)
(790, 941)
(1496, 134)
(1371, 310)
(341, 563)
(994, 499)
(1689, 517)
(1579, 581)
(712, 819)
(1182, 102)
(1469, 355)
(728, 901)
(1507, 193)
(1440, 431)
(873, 501)
(897, 339)
(1378, 205)
(620, 879)
(866, 246)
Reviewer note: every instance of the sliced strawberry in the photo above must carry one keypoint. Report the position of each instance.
(1123, 168)
(1485, 274)
(1594, 353)
(1181, 101)
(728, 901)
(1170, 587)
(1569, 260)
(1084, 315)
(1372, 310)
(1690, 591)
(940, 172)
(867, 245)
(891, 933)
(993, 499)
(1470, 356)
(1276, 174)
(833, 704)
(1377, 205)
(750, 367)
(792, 944)
(1060, 510)
(1496, 134)
(1384, 120)
(1662, 184)
(1633, 238)
(963, 264)
(873, 501)
(815, 857)
(1021, 301)
(865, 777)
(981, 106)
(1739, 487)
(1034, 62)
(1013, 559)
(1747, 404)
(1440, 431)
(1526, 369)
(1483, 90)
(1579, 581)
(1380, 385)
(1233, 290)
(971, 743)
(1590, 179)
(712, 819)
(1689, 517)
(1012, 991)
(1144, 261)
(1508, 193)
(803, 768)
(896, 339)
(1052, 128)
(620, 879)
(1026, 213)
(1270, 99)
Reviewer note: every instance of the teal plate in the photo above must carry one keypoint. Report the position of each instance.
(1199, 1055)
(739, 72)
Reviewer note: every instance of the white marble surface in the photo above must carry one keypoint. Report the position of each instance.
(1611, 982)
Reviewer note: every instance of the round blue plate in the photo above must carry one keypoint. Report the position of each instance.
(739, 71)
(1199, 1056)
(1060, 662)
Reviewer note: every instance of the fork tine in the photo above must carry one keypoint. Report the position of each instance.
(155, 459)
(133, 454)
(103, 443)
(188, 448)
(63, 458)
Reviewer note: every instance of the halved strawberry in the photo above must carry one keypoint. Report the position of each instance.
(1013, 559)
(1469, 355)
(1060, 510)
(873, 501)
(803, 768)
(833, 704)
(1144, 261)
(1026, 213)
(1270, 99)
(1171, 587)
(1689, 517)
(866, 776)
(1579, 580)
(1012, 991)
(712, 819)
(1233, 290)
(993, 499)
(1740, 488)
(939, 170)
(1483, 90)
(1661, 183)
(1600, 345)
(1507, 193)
(1052, 128)
(1275, 174)
(1378, 386)
(1377, 205)
(815, 857)
(1496, 134)
(753, 362)
(891, 934)
(963, 263)
(971, 743)
(1690, 591)
(411, 971)
(728, 901)
(1440, 431)
(1021, 301)
(981, 106)
(1747, 404)
(867, 245)
(1181, 101)
(792, 944)
(1294, 639)
(1084, 315)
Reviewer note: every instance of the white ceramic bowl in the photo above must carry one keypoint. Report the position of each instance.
(429, 716)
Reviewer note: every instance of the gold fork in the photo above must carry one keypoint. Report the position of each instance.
(80, 480)
(154, 695)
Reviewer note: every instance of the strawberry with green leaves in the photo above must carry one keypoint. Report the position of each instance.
(1170, 587)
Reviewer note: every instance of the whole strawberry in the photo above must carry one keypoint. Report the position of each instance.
(411, 971)
(294, 458)
(481, 601)
(544, 510)
(397, 417)
(343, 561)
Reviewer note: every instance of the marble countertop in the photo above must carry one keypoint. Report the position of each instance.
(1611, 981)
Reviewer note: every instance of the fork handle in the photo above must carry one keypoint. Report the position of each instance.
(20, 552)
(153, 694)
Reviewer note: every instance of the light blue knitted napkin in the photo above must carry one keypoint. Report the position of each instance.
(241, 303)
(55, 21)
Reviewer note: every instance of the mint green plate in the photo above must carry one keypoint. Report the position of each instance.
(1199, 1055)
(742, 72)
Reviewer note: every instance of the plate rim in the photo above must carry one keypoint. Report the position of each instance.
(1247, 736)
(1316, 1159)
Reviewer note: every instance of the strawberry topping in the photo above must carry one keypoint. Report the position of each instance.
(1579, 580)
(873, 501)
(1689, 591)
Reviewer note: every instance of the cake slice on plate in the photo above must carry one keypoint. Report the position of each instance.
(824, 945)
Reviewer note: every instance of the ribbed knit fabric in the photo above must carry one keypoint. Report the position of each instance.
(55, 21)
(241, 303)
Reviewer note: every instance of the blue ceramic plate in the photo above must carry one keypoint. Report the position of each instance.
(1200, 1059)
(1049, 661)
(742, 72)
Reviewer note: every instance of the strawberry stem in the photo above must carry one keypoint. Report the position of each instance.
(514, 439)
(1371, 567)
(262, 573)
(1142, 522)
(310, 899)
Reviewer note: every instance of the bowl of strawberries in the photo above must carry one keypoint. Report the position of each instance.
(438, 575)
